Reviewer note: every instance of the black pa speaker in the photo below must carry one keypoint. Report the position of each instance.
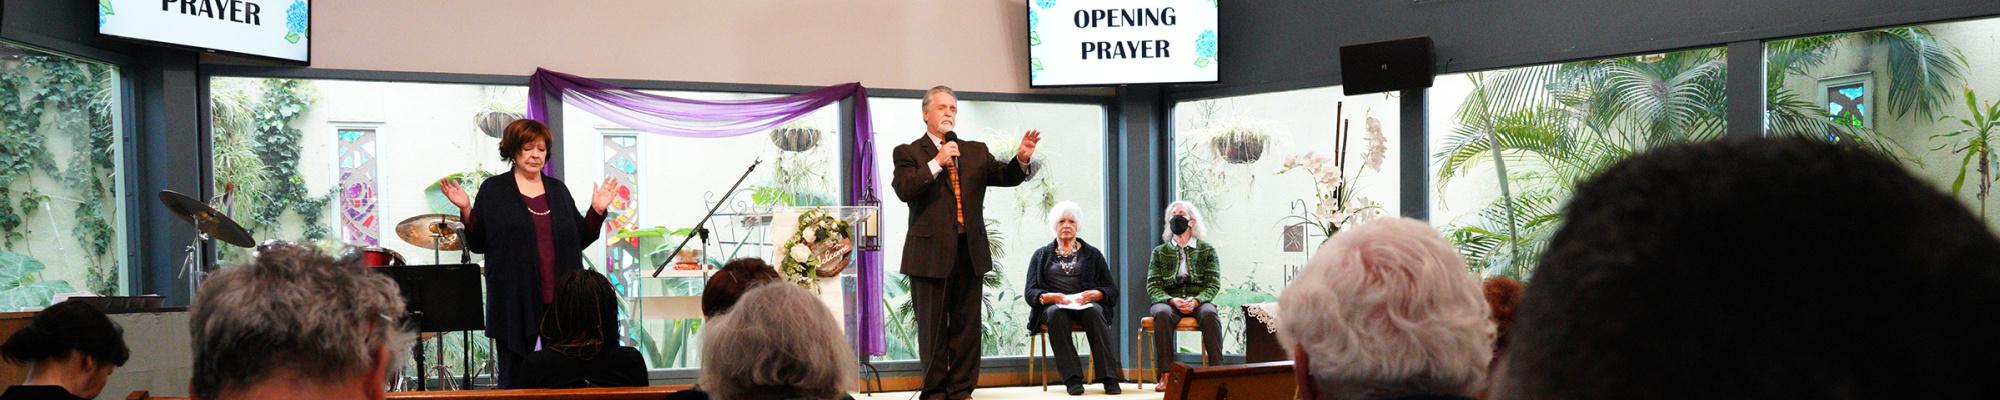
(1386, 66)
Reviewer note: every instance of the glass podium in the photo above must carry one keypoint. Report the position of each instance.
(674, 296)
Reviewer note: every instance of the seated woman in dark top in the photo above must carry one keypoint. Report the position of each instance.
(580, 339)
(1069, 283)
(69, 349)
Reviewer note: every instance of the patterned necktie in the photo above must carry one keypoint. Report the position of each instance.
(957, 199)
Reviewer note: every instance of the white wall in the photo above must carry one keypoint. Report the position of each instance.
(971, 45)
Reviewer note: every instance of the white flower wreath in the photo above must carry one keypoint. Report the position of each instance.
(819, 248)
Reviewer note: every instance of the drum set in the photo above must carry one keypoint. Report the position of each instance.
(436, 232)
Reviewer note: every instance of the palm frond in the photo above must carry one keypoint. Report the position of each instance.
(1535, 133)
(1788, 114)
(1797, 56)
(1920, 69)
(1487, 247)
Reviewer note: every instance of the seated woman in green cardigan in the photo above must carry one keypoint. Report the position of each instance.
(1184, 277)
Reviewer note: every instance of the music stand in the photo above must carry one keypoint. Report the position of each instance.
(439, 298)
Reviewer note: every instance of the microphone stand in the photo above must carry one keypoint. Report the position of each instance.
(698, 226)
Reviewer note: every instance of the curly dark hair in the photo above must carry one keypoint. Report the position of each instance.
(1759, 268)
(70, 326)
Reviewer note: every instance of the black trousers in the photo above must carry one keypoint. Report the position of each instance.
(948, 330)
(1164, 318)
(1095, 331)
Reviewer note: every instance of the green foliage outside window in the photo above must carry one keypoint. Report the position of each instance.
(257, 150)
(49, 101)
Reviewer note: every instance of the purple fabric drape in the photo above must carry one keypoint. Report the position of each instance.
(678, 117)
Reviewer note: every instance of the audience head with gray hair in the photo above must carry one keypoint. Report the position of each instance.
(1386, 309)
(782, 344)
(295, 323)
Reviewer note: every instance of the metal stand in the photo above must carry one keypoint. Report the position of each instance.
(422, 383)
(190, 268)
(865, 364)
(439, 299)
(443, 371)
(465, 339)
(704, 220)
(486, 367)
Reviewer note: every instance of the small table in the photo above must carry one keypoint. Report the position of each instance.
(1260, 339)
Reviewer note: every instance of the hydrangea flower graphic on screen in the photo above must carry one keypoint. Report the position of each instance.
(103, 9)
(1034, 36)
(296, 18)
(1045, 3)
(1204, 48)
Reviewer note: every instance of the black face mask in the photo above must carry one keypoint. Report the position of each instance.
(1179, 224)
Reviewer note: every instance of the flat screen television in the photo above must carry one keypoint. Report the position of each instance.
(275, 29)
(1120, 42)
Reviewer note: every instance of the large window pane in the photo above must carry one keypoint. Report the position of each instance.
(1072, 158)
(1555, 125)
(59, 185)
(1248, 162)
(338, 163)
(1918, 94)
(671, 182)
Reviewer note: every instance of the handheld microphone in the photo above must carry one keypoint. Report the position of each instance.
(952, 136)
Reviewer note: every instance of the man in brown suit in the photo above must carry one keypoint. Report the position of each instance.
(944, 181)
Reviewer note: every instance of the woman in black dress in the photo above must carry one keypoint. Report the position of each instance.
(1063, 277)
(528, 227)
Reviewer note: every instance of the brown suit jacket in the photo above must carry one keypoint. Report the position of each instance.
(932, 242)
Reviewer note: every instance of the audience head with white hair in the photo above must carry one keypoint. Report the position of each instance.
(1386, 309)
(1759, 269)
(780, 342)
(1064, 220)
(1182, 219)
(295, 323)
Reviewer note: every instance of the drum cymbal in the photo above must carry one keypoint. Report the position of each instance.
(432, 231)
(206, 220)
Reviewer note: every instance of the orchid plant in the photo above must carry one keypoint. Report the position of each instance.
(1335, 204)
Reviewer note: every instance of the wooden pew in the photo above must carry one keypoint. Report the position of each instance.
(1271, 380)
(619, 393)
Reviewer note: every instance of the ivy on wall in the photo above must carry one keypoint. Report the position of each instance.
(258, 150)
(46, 94)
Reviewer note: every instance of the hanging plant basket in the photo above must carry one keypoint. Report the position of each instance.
(494, 123)
(794, 139)
(1239, 146)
